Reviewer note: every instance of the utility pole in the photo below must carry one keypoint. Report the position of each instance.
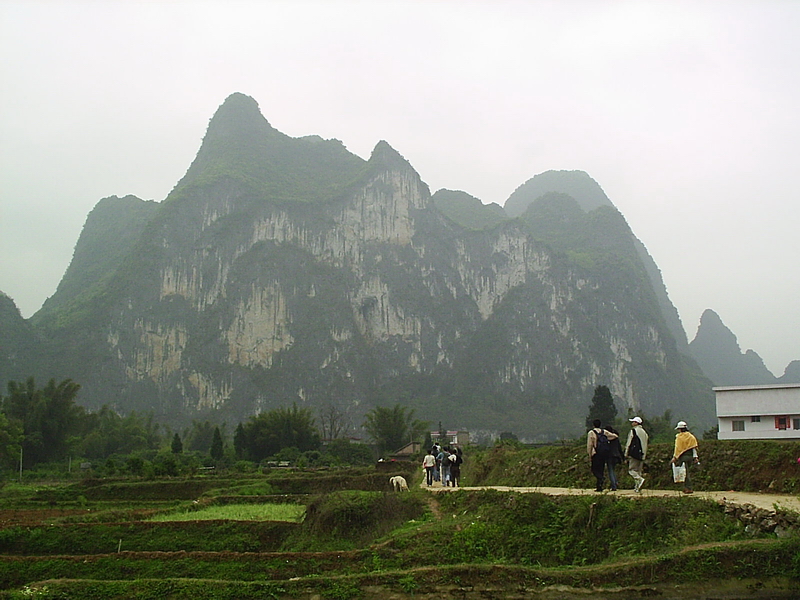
(20, 464)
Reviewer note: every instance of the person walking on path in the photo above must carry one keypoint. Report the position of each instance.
(429, 463)
(455, 466)
(636, 451)
(444, 466)
(437, 468)
(614, 459)
(598, 446)
(685, 453)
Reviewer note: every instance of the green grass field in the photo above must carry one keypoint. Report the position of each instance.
(344, 535)
(292, 513)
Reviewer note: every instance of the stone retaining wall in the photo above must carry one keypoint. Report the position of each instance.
(760, 520)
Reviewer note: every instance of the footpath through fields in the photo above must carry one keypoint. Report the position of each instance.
(765, 501)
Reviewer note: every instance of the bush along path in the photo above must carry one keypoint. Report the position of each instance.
(779, 513)
(744, 466)
(762, 469)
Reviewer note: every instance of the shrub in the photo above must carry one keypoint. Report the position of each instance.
(341, 519)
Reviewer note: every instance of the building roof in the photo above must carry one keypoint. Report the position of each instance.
(768, 386)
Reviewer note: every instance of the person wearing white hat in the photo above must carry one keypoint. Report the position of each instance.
(685, 452)
(636, 451)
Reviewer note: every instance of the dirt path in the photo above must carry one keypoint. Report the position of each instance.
(766, 501)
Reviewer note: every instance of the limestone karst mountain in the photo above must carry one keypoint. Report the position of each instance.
(590, 196)
(717, 351)
(791, 374)
(284, 270)
(19, 342)
(585, 190)
(116, 225)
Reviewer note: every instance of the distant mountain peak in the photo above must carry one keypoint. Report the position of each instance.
(577, 184)
(238, 98)
(713, 332)
(792, 373)
(717, 351)
(383, 154)
(240, 145)
(238, 117)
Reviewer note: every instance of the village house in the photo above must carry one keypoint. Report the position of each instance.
(758, 412)
(453, 439)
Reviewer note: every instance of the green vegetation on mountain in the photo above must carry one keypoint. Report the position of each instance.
(20, 342)
(467, 210)
(112, 229)
(599, 242)
(241, 146)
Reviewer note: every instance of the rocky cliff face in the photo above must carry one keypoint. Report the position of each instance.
(287, 270)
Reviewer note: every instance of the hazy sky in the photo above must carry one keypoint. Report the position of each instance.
(686, 113)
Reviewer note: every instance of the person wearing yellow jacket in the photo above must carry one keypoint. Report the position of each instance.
(685, 452)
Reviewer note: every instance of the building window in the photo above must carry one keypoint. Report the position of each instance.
(738, 425)
(782, 423)
(755, 419)
(796, 423)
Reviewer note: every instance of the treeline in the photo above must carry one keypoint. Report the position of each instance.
(41, 426)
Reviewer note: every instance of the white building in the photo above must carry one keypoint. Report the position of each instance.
(759, 412)
(455, 438)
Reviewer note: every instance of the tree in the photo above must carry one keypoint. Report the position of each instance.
(217, 450)
(10, 442)
(177, 444)
(602, 407)
(50, 420)
(349, 453)
(266, 434)
(240, 441)
(333, 422)
(200, 436)
(660, 429)
(110, 433)
(508, 436)
(393, 428)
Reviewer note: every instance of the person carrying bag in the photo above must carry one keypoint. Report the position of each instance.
(684, 454)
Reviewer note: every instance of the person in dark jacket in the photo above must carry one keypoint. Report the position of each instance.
(455, 466)
(598, 452)
(615, 458)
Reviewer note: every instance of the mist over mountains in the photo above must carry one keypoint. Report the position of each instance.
(287, 270)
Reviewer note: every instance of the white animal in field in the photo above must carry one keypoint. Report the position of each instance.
(399, 483)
